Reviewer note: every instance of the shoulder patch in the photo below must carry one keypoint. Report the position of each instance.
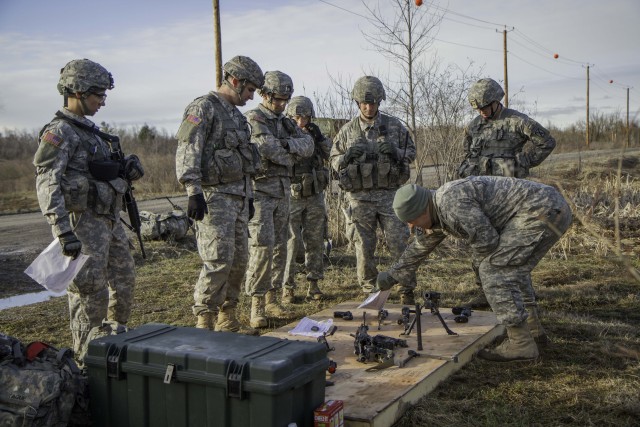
(52, 139)
(193, 119)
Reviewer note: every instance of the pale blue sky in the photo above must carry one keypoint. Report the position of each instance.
(161, 51)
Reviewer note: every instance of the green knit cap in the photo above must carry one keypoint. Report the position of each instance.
(410, 202)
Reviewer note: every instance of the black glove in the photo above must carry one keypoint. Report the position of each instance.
(384, 281)
(289, 125)
(385, 147)
(315, 132)
(285, 143)
(197, 207)
(133, 169)
(353, 152)
(252, 209)
(71, 246)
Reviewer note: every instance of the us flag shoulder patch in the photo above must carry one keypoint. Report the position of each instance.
(193, 119)
(52, 139)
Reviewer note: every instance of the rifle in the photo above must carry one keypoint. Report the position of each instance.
(130, 205)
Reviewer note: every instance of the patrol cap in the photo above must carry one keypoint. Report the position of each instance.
(410, 202)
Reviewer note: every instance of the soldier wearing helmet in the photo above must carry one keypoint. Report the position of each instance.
(371, 155)
(215, 161)
(307, 213)
(501, 142)
(281, 144)
(80, 187)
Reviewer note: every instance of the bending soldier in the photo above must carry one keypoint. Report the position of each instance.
(80, 187)
(510, 225)
(215, 162)
(307, 213)
(281, 144)
(371, 154)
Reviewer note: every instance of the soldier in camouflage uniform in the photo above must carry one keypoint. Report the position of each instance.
(307, 213)
(494, 144)
(510, 225)
(215, 161)
(371, 155)
(80, 187)
(281, 144)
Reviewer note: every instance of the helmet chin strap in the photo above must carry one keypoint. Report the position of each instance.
(493, 112)
(239, 90)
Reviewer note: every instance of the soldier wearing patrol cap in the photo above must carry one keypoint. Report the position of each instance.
(307, 213)
(80, 187)
(371, 155)
(500, 142)
(281, 144)
(215, 161)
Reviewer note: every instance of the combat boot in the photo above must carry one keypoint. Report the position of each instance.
(535, 326)
(273, 308)
(205, 321)
(408, 298)
(288, 295)
(228, 322)
(478, 302)
(519, 345)
(314, 293)
(258, 317)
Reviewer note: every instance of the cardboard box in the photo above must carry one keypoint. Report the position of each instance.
(329, 414)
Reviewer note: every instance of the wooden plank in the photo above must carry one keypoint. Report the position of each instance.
(380, 398)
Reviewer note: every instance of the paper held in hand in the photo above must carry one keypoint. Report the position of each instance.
(53, 270)
(376, 301)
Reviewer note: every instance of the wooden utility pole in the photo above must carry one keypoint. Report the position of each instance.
(587, 135)
(217, 39)
(506, 75)
(628, 130)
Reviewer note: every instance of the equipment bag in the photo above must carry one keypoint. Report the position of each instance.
(171, 226)
(41, 386)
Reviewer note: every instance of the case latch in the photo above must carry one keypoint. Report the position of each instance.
(169, 374)
(235, 373)
(115, 355)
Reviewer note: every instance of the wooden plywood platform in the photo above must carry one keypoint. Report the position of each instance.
(380, 398)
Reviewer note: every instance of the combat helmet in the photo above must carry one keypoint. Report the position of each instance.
(300, 106)
(368, 89)
(82, 75)
(244, 68)
(484, 92)
(277, 83)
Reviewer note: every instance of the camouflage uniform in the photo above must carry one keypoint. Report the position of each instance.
(307, 212)
(269, 227)
(510, 225)
(215, 157)
(76, 199)
(370, 182)
(495, 146)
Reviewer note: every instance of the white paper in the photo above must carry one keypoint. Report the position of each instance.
(307, 327)
(53, 270)
(376, 301)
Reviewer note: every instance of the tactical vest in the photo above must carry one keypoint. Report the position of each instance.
(374, 170)
(233, 156)
(310, 176)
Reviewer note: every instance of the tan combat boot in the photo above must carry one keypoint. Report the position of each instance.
(273, 308)
(535, 326)
(258, 318)
(205, 321)
(288, 295)
(314, 293)
(519, 345)
(228, 321)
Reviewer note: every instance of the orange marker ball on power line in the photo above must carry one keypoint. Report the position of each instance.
(555, 55)
(610, 81)
(418, 2)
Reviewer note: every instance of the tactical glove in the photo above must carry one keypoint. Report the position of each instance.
(387, 148)
(71, 246)
(133, 169)
(252, 209)
(197, 207)
(385, 281)
(285, 143)
(353, 152)
(315, 132)
(289, 125)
